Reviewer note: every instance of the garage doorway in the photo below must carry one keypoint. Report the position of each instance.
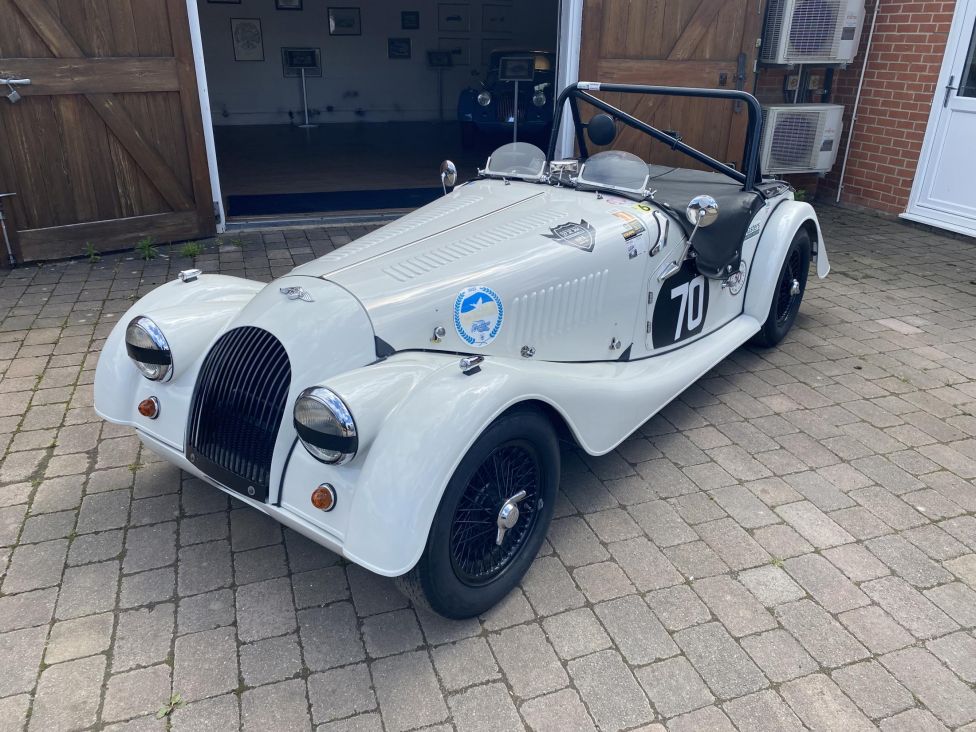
(383, 82)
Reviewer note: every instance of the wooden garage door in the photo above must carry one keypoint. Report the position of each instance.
(698, 43)
(106, 145)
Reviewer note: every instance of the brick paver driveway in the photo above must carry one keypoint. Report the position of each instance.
(791, 543)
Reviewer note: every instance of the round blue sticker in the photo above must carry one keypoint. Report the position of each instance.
(478, 315)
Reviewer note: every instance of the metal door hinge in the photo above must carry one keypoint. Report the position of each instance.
(648, 328)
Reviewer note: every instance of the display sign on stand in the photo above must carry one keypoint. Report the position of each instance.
(516, 69)
(302, 62)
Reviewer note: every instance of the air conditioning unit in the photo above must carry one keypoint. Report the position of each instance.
(800, 138)
(811, 31)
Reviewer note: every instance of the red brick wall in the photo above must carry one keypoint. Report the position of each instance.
(902, 71)
(906, 57)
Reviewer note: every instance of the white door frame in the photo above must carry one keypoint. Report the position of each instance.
(957, 35)
(570, 25)
(567, 66)
(196, 40)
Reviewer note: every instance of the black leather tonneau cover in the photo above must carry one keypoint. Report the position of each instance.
(717, 247)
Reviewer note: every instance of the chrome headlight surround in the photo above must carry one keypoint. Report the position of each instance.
(325, 426)
(484, 98)
(539, 98)
(149, 349)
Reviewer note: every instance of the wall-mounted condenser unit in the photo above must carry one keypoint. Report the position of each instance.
(811, 31)
(800, 138)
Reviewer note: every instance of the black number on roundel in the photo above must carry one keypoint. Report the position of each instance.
(681, 307)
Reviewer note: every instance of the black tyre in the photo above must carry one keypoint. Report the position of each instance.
(788, 293)
(469, 135)
(463, 570)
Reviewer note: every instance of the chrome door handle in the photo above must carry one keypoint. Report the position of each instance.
(949, 89)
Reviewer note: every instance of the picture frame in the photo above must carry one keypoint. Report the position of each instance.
(516, 68)
(294, 59)
(345, 22)
(248, 39)
(409, 20)
(454, 17)
(496, 18)
(398, 48)
(288, 4)
(459, 48)
(440, 59)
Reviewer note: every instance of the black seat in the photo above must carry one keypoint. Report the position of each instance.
(717, 247)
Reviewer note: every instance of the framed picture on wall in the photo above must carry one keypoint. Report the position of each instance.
(496, 18)
(288, 4)
(439, 59)
(459, 48)
(248, 39)
(398, 48)
(345, 22)
(454, 17)
(293, 60)
(410, 20)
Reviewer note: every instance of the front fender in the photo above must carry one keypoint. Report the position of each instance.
(415, 453)
(777, 235)
(467, 100)
(189, 315)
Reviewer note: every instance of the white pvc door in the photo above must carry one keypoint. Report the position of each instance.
(944, 193)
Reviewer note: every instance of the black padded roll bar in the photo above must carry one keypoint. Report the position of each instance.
(579, 91)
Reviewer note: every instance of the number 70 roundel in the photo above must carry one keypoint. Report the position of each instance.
(682, 303)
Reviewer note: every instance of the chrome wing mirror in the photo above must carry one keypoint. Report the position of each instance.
(448, 175)
(701, 212)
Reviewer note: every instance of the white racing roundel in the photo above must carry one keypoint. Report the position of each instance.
(478, 315)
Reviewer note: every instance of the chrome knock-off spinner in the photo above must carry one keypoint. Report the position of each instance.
(508, 516)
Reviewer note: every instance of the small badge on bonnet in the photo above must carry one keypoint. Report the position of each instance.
(296, 293)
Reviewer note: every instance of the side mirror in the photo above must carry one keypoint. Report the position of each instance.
(601, 129)
(702, 211)
(448, 175)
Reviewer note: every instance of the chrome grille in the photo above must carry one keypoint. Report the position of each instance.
(506, 108)
(238, 403)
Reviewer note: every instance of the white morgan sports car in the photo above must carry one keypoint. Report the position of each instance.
(399, 400)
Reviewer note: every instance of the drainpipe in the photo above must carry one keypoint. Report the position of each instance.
(857, 101)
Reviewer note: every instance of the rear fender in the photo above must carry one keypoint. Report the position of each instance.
(788, 218)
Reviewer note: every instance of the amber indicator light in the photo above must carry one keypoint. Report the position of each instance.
(324, 497)
(149, 407)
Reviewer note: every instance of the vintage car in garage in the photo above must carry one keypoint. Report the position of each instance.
(400, 400)
(489, 110)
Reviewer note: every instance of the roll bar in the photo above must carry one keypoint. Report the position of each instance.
(750, 174)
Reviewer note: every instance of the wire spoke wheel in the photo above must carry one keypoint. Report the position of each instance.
(790, 291)
(510, 469)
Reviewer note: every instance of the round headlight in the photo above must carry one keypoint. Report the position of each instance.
(539, 99)
(148, 349)
(484, 99)
(325, 426)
